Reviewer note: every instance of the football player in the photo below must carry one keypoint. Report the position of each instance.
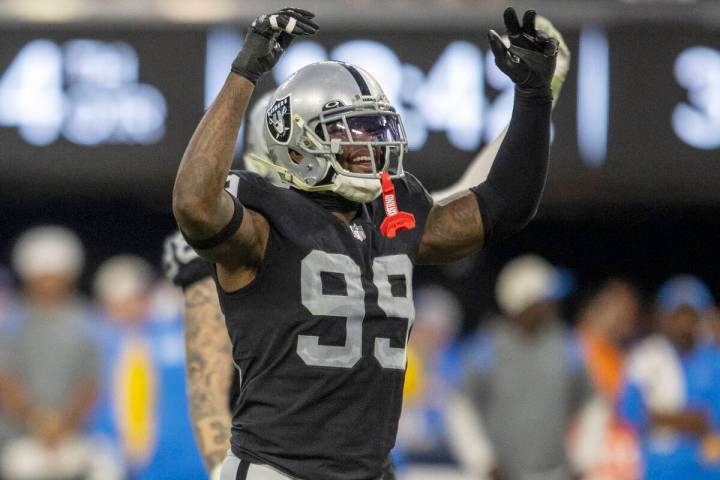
(207, 344)
(315, 281)
(209, 362)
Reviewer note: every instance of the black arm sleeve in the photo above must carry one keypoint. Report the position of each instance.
(509, 197)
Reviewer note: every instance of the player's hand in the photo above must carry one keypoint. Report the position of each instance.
(544, 25)
(531, 58)
(269, 36)
(181, 265)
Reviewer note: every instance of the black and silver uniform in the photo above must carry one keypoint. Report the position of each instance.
(319, 335)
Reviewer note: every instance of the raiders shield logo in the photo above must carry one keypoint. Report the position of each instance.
(278, 120)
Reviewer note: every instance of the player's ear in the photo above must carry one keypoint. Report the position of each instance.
(295, 156)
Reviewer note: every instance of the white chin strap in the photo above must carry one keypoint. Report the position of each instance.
(362, 190)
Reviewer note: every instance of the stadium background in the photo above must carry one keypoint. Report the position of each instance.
(98, 100)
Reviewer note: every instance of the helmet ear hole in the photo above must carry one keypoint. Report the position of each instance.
(295, 156)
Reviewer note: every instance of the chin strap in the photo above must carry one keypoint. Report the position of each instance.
(395, 221)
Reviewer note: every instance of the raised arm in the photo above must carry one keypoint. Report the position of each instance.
(504, 203)
(214, 223)
(479, 168)
(201, 206)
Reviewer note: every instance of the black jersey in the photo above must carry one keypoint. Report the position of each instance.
(319, 335)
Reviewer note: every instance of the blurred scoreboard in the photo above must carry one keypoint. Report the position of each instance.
(109, 112)
(93, 112)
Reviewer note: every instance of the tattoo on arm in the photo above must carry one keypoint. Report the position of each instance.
(453, 230)
(209, 370)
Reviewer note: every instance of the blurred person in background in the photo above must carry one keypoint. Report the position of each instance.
(607, 321)
(142, 409)
(524, 381)
(48, 365)
(422, 448)
(672, 392)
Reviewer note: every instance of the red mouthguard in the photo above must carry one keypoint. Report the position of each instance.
(395, 221)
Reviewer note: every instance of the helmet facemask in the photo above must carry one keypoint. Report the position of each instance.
(373, 140)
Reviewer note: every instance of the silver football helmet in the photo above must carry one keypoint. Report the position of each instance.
(331, 128)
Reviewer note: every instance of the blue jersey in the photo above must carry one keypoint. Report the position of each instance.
(143, 406)
(678, 456)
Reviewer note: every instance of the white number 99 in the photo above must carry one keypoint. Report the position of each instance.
(352, 308)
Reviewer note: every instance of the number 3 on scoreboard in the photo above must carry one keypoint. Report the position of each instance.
(352, 308)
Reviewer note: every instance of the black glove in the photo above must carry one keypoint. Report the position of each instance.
(530, 60)
(181, 265)
(268, 37)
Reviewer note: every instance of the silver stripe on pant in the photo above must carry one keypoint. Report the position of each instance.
(231, 465)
